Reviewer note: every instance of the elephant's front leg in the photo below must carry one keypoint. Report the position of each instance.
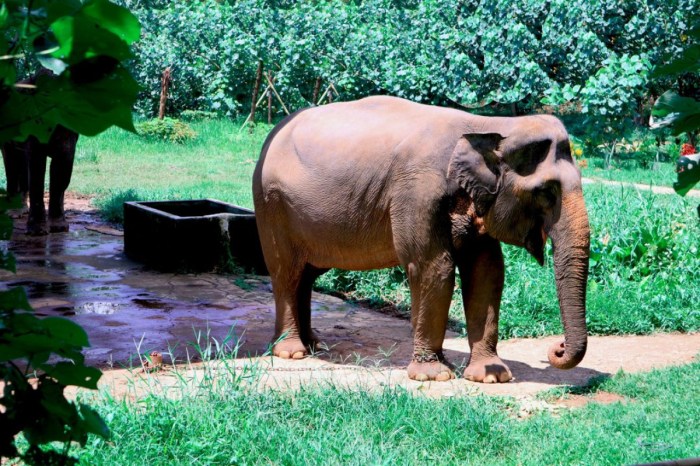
(482, 273)
(431, 282)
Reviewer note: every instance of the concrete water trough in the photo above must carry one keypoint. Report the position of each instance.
(192, 235)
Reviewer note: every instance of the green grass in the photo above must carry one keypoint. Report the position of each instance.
(227, 423)
(631, 172)
(219, 163)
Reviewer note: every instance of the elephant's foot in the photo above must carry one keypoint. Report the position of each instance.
(487, 370)
(429, 367)
(23, 208)
(37, 229)
(290, 348)
(17, 213)
(58, 225)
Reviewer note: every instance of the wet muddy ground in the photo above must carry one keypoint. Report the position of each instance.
(129, 310)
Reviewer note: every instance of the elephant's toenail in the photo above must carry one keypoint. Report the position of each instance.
(490, 379)
(421, 377)
(298, 355)
(443, 376)
(284, 354)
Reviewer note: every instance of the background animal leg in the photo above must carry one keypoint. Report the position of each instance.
(36, 156)
(14, 158)
(62, 146)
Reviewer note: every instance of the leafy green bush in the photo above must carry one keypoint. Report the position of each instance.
(197, 115)
(111, 206)
(167, 129)
(452, 52)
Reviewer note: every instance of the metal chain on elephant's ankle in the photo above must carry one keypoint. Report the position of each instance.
(428, 356)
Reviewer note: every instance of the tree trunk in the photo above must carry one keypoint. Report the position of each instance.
(317, 89)
(256, 90)
(609, 157)
(164, 85)
(514, 109)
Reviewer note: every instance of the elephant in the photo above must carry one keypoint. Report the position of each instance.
(381, 182)
(25, 169)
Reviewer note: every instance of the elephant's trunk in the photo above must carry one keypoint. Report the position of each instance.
(571, 244)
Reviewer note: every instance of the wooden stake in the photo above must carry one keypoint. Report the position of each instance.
(164, 84)
(269, 107)
(328, 94)
(272, 86)
(257, 104)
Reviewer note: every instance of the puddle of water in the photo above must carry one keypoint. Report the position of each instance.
(214, 306)
(102, 308)
(87, 272)
(37, 290)
(113, 323)
(152, 304)
(43, 263)
(88, 243)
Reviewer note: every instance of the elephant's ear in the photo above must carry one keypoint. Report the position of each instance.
(474, 165)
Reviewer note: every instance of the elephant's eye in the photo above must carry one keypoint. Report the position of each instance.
(546, 195)
(526, 160)
(564, 151)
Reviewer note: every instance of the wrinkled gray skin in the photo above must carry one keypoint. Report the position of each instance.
(383, 181)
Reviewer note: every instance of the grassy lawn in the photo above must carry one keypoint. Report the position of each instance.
(219, 164)
(230, 424)
(663, 175)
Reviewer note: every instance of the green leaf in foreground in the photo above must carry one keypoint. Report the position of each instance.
(14, 299)
(68, 373)
(680, 114)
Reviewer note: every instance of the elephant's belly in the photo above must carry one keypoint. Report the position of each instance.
(328, 256)
(347, 246)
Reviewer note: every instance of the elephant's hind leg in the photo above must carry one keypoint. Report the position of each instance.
(292, 290)
(482, 286)
(17, 175)
(62, 145)
(431, 282)
(36, 156)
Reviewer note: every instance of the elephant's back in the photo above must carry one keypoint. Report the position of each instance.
(375, 128)
(379, 118)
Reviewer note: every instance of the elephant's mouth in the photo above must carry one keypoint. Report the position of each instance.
(534, 242)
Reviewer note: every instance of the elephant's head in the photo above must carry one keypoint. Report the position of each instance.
(526, 187)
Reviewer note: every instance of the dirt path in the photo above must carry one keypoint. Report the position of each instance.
(129, 310)
(640, 186)
(377, 367)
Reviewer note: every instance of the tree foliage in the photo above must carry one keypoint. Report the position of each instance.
(592, 54)
(680, 113)
(84, 44)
